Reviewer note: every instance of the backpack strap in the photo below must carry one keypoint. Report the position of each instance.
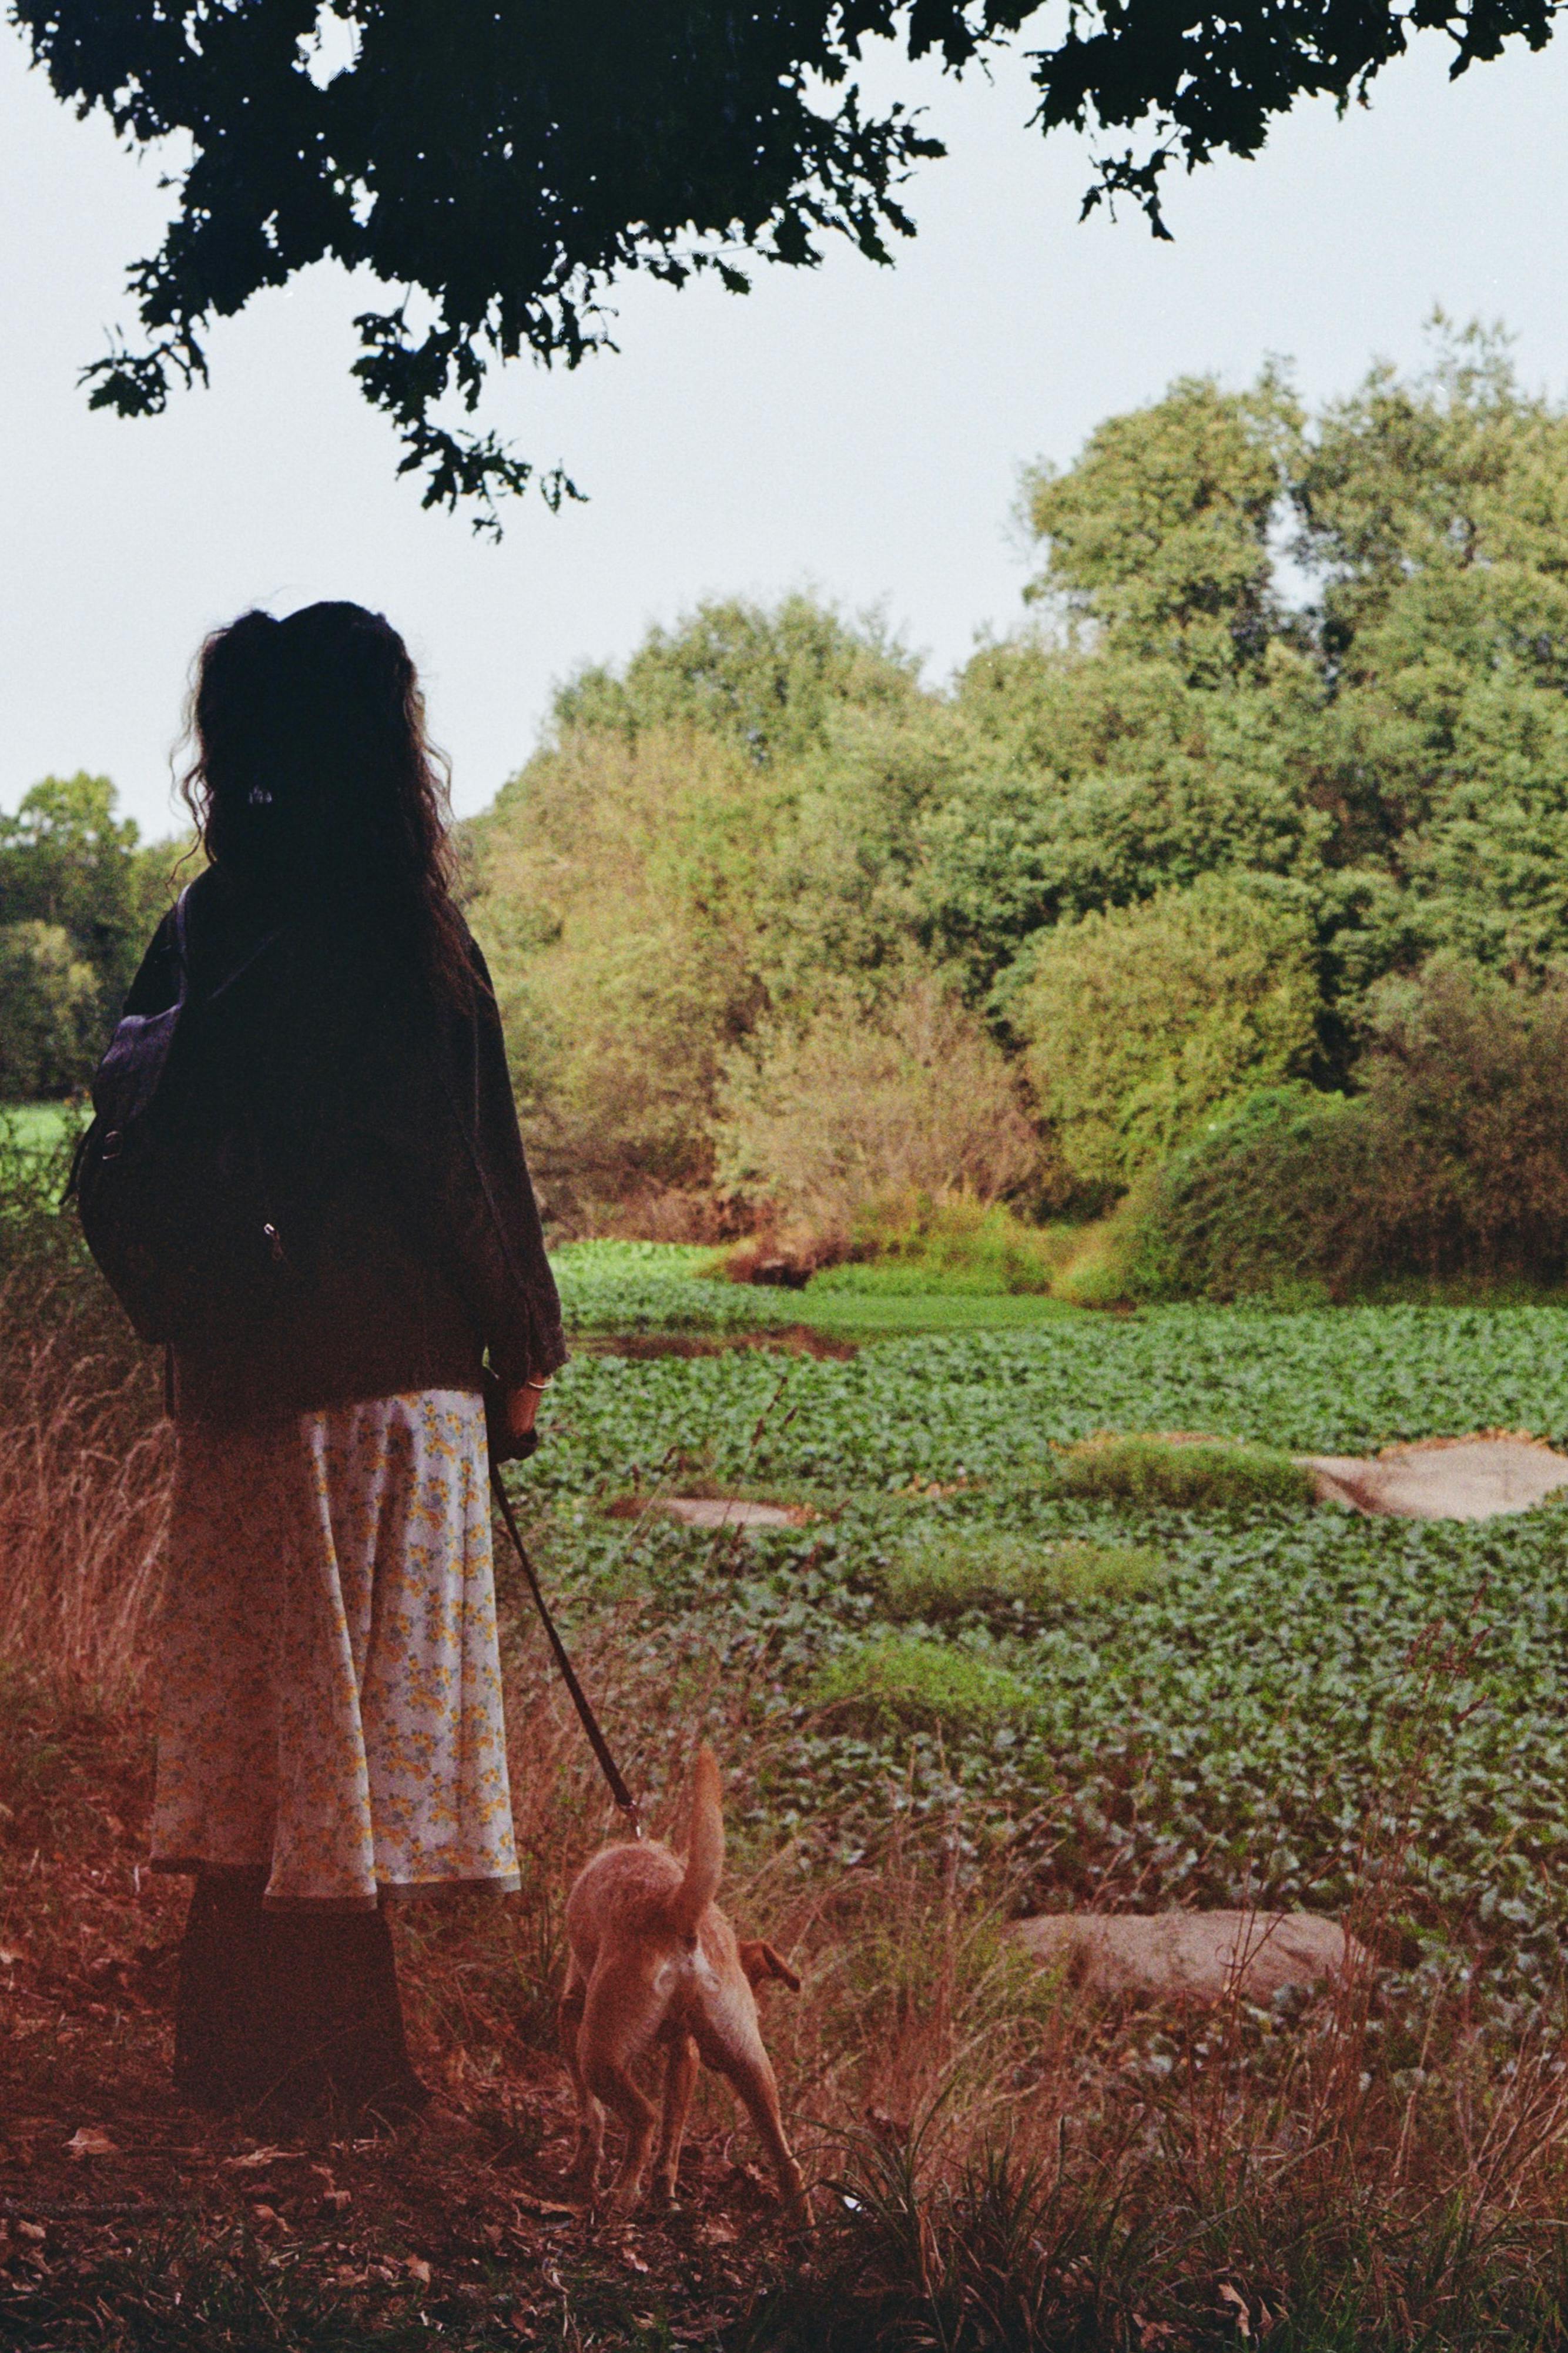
(182, 942)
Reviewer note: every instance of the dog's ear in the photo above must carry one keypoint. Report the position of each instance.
(761, 1962)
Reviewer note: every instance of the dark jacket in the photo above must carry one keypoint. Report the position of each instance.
(385, 1126)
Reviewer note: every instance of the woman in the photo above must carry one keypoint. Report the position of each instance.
(330, 1727)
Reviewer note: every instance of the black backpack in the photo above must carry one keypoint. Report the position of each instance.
(169, 1179)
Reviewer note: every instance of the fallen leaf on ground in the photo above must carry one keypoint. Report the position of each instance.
(256, 2158)
(91, 2141)
(36, 2231)
(418, 2268)
(1231, 2295)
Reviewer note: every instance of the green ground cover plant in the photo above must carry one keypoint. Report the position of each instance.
(1232, 1690)
(1194, 1474)
(937, 1577)
(1000, 1404)
(632, 1286)
(908, 1680)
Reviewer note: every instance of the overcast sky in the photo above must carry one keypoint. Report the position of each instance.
(854, 430)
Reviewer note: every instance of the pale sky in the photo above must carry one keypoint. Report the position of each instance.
(853, 430)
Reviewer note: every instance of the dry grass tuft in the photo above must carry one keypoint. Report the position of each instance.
(85, 1468)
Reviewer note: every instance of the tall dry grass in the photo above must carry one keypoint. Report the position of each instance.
(84, 1500)
(85, 1456)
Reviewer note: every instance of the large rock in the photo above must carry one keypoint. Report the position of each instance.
(1443, 1478)
(1197, 1955)
(733, 1512)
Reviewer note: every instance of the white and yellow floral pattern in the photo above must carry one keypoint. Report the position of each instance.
(331, 1704)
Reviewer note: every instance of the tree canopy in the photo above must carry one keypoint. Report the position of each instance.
(498, 165)
(1290, 721)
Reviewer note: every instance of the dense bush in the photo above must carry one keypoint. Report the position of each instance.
(1452, 1163)
(1139, 1021)
(914, 1101)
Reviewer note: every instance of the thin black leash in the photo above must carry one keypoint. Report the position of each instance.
(590, 1722)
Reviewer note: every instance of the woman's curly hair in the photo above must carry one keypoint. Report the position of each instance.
(312, 778)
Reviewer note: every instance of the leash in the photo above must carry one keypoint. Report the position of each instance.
(623, 1796)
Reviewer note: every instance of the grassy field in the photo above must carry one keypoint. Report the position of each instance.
(1003, 1666)
(631, 1287)
(39, 1127)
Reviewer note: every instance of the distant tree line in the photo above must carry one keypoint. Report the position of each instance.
(1288, 729)
(79, 893)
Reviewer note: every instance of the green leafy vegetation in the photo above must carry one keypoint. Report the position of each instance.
(1149, 1672)
(1003, 1404)
(912, 1680)
(78, 894)
(947, 1575)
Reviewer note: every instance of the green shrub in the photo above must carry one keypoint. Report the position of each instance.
(923, 1683)
(956, 1241)
(912, 1100)
(1453, 1162)
(941, 1576)
(1275, 1193)
(1190, 1475)
(1139, 1020)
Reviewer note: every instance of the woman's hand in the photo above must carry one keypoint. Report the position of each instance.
(521, 1404)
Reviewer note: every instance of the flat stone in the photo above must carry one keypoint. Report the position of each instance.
(1192, 1956)
(733, 1512)
(1443, 1478)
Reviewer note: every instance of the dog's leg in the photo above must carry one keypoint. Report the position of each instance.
(742, 2058)
(610, 2079)
(620, 2020)
(588, 2153)
(679, 2081)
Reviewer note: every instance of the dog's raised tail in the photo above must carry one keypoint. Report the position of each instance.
(704, 1848)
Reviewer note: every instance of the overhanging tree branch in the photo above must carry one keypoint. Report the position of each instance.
(509, 162)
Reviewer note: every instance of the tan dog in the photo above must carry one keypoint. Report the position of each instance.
(654, 1960)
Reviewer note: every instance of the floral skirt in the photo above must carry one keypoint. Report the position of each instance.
(330, 1700)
